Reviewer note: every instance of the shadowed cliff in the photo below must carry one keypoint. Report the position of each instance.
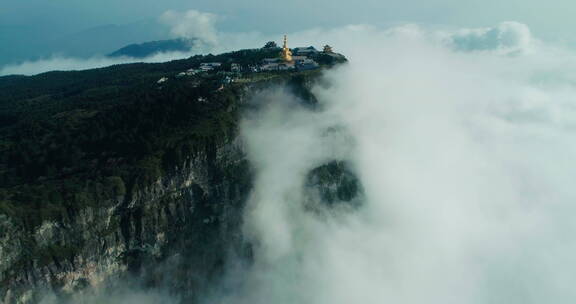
(111, 175)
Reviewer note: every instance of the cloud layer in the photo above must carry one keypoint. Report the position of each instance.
(466, 160)
(508, 38)
(57, 63)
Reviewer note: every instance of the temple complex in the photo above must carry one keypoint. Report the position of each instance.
(281, 59)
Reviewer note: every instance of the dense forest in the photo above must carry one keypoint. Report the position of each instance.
(72, 139)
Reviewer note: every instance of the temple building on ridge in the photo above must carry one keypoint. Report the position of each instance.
(286, 54)
(299, 60)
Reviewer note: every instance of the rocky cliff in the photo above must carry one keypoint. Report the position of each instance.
(189, 217)
(168, 225)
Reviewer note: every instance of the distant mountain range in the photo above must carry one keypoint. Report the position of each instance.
(141, 50)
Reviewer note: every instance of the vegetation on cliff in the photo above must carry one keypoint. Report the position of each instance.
(74, 139)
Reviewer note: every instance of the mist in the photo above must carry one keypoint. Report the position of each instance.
(464, 144)
(465, 156)
(58, 63)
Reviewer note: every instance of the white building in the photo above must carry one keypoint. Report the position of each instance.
(192, 72)
(303, 51)
(281, 66)
(307, 64)
(209, 66)
(235, 68)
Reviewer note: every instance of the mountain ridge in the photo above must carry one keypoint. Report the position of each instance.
(146, 49)
(113, 175)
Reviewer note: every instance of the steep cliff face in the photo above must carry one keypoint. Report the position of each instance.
(171, 228)
(187, 220)
(190, 217)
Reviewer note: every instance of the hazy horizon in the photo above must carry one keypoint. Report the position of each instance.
(36, 29)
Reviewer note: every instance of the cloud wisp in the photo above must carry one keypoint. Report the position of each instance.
(58, 63)
(507, 38)
(193, 24)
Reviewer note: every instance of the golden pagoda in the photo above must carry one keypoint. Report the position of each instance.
(286, 54)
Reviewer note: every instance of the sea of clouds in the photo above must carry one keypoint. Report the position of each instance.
(464, 142)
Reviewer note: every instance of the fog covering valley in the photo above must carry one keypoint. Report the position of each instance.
(463, 141)
(463, 144)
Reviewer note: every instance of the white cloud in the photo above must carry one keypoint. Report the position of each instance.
(507, 37)
(57, 63)
(467, 163)
(192, 24)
